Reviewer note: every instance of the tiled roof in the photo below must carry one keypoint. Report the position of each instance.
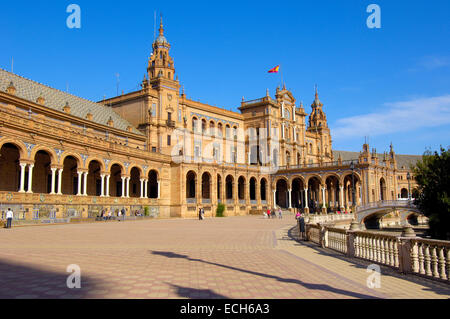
(402, 160)
(56, 100)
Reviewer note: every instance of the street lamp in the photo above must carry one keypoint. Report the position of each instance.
(408, 177)
(352, 167)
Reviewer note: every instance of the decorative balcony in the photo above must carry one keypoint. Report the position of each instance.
(170, 123)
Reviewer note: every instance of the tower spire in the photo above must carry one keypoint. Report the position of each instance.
(161, 26)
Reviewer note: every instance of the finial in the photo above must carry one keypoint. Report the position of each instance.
(267, 92)
(301, 104)
(317, 92)
(243, 99)
(161, 27)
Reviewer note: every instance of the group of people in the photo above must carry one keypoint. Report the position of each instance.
(107, 214)
(271, 213)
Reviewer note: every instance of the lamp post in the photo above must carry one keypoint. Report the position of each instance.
(408, 177)
(352, 167)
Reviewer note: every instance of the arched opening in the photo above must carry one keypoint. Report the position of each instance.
(412, 220)
(135, 182)
(194, 124)
(115, 182)
(212, 127)
(229, 187)
(69, 183)
(190, 185)
(220, 130)
(314, 195)
(252, 189)
(219, 187)
(332, 194)
(152, 186)
(94, 187)
(203, 126)
(42, 176)
(298, 188)
(372, 222)
(10, 168)
(382, 189)
(241, 188)
(282, 194)
(404, 193)
(263, 189)
(348, 191)
(206, 186)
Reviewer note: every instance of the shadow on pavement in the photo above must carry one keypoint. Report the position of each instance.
(437, 287)
(311, 286)
(27, 282)
(193, 293)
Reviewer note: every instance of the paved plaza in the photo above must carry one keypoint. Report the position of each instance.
(236, 257)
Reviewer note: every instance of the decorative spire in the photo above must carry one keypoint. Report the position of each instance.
(267, 92)
(317, 92)
(161, 27)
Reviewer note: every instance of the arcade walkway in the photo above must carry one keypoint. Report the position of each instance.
(238, 257)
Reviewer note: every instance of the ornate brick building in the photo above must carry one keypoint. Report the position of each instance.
(64, 156)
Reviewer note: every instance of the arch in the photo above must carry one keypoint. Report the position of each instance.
(263, 189)
(98, 160)
(252, 188)
(404, 193)
(69, 183)
(153, 185)
(120, 164)
(18, 144)
(77, 157)
(204, 125)
(314, 194)
(49, 151)
(279, 178)
(10, 167)
(135, 181)
(42, 172)
(297, 193)
(229, 181)
(138, 167)
(241, 188)
(316, 176)
(191, 181)
(206, 185)
(332, 185)
(94, 185)
(115, 182)
(282, 193)
(220, 129)
(212, 127)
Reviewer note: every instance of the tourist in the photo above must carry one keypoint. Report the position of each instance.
(109, 215)
(124, 212)
(280, 213)
(301, 224)
(9, 217)
(200, 213)
(274, 214)
(297, 216)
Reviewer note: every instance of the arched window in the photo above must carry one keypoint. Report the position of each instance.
(194, 124)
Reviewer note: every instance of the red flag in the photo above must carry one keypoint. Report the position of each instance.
(275, 69)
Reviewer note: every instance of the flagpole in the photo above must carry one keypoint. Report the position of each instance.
(281, 73)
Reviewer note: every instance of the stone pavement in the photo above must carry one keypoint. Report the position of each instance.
(236, 257)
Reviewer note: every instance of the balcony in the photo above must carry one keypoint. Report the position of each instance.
(170, 123)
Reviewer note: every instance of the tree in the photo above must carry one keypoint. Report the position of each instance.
(432, 174)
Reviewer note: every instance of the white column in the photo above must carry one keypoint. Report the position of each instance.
(22, 178)
(79, 183)
(60, 172)
(274, 198)
(107, 185)
(306, 198)
(102, 193)
(85, 184)
(142, 187)
(30, 178)
(159, 190)
(146, 188)
(123, 186)
(323, 198)
(290, 198)
(341, 196)
(128, 186)
(53, 169)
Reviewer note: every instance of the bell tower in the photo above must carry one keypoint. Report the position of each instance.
(160, 64)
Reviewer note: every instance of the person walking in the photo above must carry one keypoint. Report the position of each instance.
(274, 214)
(200, 213)
(9, 217)
(297, 216)
(124, 212)
(301, 225)
(280, 213)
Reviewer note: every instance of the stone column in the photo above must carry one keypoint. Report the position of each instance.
(107, 185)
(306, 198)
(85, 184)
(53, 169)
(79, 183)
(290, 198)
(22, 178)
(102, 192)
(341, 195)
(30, 178)
(123, 186)
(142, 187)
(60, 172)
(324, 207)
(274, 199)
(159, 190)
(146, 188)
(128, 186)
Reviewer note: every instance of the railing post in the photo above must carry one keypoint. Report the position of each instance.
(350, 243)
(405, 254)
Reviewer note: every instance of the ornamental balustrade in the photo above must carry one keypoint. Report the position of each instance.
(406, 253)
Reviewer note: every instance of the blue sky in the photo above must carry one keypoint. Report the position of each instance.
(391, 84)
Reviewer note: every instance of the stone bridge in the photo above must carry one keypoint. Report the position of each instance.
(402, 208)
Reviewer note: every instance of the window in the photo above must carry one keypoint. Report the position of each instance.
(154, 149)
(170, 76)
(194, 124)
(169, 116)
(179, 115)
(168, 140)
(154, 109)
